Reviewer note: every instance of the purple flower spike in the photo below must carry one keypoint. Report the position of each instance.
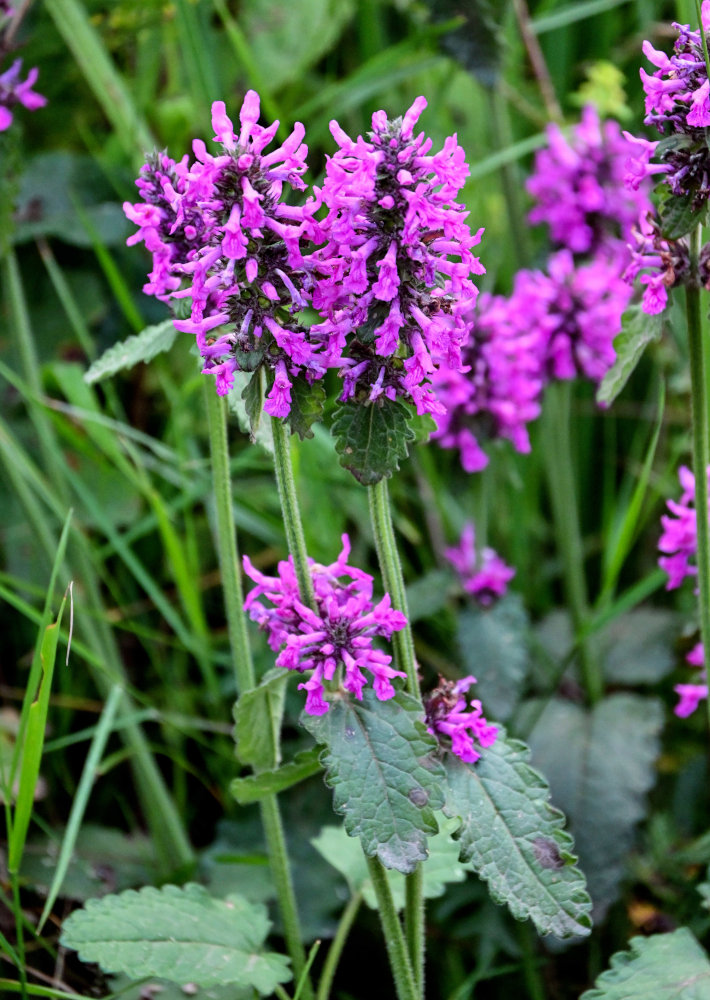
(460, 721)
(221, 236)
(336, 636)
(484, 575)
(14, 91)
(395, 269)
(578, 187)
(679, 539)
(692, 694)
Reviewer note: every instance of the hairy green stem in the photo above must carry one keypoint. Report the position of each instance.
(291, 512)
(336, 946)
(228, 555)
(414, 926)
(565, 512)
(400, 964)
(697, 350)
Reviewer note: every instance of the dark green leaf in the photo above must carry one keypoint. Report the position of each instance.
(307, 402)
(180, 934)
(514, 839)
(372, 438)
(662, 967)
(258, 786)
(673, 143)
(599, 763)
(477, 43)
(493, 647)
(638, 330)
(380, 763)
(143, 346)
(678, 217)
(258, 715)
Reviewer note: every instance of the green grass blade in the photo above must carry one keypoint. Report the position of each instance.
(571, 13)
(93, 759)
(73, 24)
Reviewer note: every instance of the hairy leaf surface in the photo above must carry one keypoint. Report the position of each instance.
(371, 439)
(664, 967)
(143, 346)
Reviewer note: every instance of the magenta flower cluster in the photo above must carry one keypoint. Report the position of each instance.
(388, 266)
(459, 720)
(338, 633)
(483, 574)
(679, 545)
(13, 89)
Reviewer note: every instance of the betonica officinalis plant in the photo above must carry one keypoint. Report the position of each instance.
(365, 478)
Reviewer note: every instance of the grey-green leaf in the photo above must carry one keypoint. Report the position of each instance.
(600, 764)
(255, 787)
(257, 714)
(664, 967)
(493, 647)
(372, 438)
(180, 934)
(513, 838)
(638, 330)
(440, 868)
(143, 346)
(381, 764)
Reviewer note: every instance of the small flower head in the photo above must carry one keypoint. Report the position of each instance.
(456, 721)
(396, 265)
(679, 538)
(336, 635)
(14, 91)
(691, 695)
(484, 575)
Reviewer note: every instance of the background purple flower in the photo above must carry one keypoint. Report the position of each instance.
(338, 633)
(14, 91)
(483, 574)
(679, 538)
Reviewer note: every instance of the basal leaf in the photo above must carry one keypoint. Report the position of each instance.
(143, 346)
(307, 402)
(440, 868)
(255, 787)
(600, 764)
(257, 715)
(638, 646)
(513, 838)
(638, 330)
(180, 934)
(493, 646)
(386, 781)
(664, 967)
(372, 438)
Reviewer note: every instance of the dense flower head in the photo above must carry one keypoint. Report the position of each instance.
(690, 695)
(661, 264)
(483, 574)
(498, 391)
(339, 632)
(395, 266)
(14, 91)
(677, 96)
(578, 187)
(459, 720)
(679, 538)
(242, 267)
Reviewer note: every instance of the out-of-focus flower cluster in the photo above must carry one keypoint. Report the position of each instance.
(483, 574)
(679, 545)
(458, 719)
(337, 633)
(13, 89)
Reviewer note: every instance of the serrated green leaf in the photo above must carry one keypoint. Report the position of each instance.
(386, 781)
(307, 403)
(493, 647)
(638, 330)
(258, 715)
(513, 838)
(665, 967)
(180, 934)
(599, 763)
(257, 786)
(143, 346)
(440, 868)
(371, 439)
(677, 216)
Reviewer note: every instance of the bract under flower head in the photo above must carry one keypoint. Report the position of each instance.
(238, 259)
(459, 720)
(578, 187)
(484, 575)
(338, 633)
(395, 269)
